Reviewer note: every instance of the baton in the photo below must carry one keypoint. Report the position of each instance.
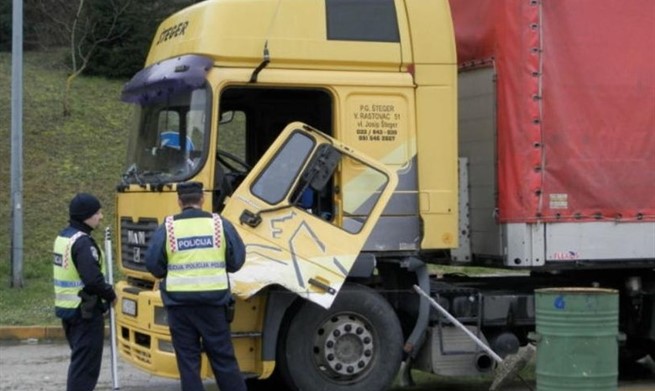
(112, 315)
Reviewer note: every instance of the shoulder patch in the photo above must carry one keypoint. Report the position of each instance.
(94, 253)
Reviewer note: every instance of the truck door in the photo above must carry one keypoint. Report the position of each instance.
(304, 212)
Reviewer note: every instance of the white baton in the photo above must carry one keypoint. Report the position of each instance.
(112, 315)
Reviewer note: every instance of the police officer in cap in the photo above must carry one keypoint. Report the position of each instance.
(193, 251)
(81, 294)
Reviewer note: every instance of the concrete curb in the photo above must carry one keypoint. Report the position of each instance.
(19, 333)
(9, 333)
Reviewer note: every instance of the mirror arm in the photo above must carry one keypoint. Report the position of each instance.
(254, 219)
(249, 218)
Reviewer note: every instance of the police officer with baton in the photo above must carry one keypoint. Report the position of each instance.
(82, 296)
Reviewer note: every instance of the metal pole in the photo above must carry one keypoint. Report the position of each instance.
(457, 323)
(17, 145)
(112, 314)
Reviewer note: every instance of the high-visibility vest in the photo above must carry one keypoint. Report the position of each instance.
(196, 254)
(67, 280)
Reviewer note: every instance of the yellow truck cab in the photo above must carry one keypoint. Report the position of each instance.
(300, 119)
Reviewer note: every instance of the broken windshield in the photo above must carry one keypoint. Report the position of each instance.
(169, 137)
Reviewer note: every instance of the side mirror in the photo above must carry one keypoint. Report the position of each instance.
(321, 167)
(226, 117)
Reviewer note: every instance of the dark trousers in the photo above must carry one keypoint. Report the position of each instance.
(85, 338)
(194, 328)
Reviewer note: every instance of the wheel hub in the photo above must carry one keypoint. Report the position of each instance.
(344, 346)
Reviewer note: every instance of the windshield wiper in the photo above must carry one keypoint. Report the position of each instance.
(156, 181)
(143, 179)
(132, 171)
(149, 173)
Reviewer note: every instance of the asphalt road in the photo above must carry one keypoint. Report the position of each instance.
(42, 367)
(32, 366)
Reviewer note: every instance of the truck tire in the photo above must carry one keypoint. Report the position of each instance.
(355, 345)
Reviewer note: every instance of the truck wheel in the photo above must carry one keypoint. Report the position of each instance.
(355, 345)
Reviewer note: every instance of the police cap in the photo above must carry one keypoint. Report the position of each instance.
(189, 188)
(83, 206)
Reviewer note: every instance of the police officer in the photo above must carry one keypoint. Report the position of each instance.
(81, 293)
(193, 251)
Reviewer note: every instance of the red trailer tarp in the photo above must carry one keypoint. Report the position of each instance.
(575, 104)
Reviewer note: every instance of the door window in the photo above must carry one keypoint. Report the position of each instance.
(275, 181)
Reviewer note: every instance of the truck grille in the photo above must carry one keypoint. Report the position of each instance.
(135, 237)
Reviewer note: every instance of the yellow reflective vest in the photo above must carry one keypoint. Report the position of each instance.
(195, 248)
(67, 280)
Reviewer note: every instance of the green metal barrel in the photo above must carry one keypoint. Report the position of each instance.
(577, 339)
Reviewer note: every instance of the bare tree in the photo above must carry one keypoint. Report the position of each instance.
(83, 32)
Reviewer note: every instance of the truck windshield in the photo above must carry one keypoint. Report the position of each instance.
(169, 137)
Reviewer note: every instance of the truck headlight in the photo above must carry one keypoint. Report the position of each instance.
(128, 307)
(166, 346)
(161, 317)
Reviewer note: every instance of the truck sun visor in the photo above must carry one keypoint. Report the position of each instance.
(184, 72)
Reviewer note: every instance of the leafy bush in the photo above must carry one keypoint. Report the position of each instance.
(5, 25)
(126, 53)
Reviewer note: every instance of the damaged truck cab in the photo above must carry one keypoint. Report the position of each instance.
(303, 133)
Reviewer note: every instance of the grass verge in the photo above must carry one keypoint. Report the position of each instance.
(61, 156)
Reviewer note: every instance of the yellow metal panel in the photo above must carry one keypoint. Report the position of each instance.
(332, 79)
(435, 75)
(146, 357)
(135, 204)
(267, 369)
(235, 32)
(433, 40)
(437, 164)
(379, 123)
(247, 353)
(406, 53)
(442, 231)
(248, 321)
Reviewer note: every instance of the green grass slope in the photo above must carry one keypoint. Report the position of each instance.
(61, 156)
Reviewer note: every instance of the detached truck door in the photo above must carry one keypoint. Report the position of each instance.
(292, 244)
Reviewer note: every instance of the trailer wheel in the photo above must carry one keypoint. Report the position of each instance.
(355, 345)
